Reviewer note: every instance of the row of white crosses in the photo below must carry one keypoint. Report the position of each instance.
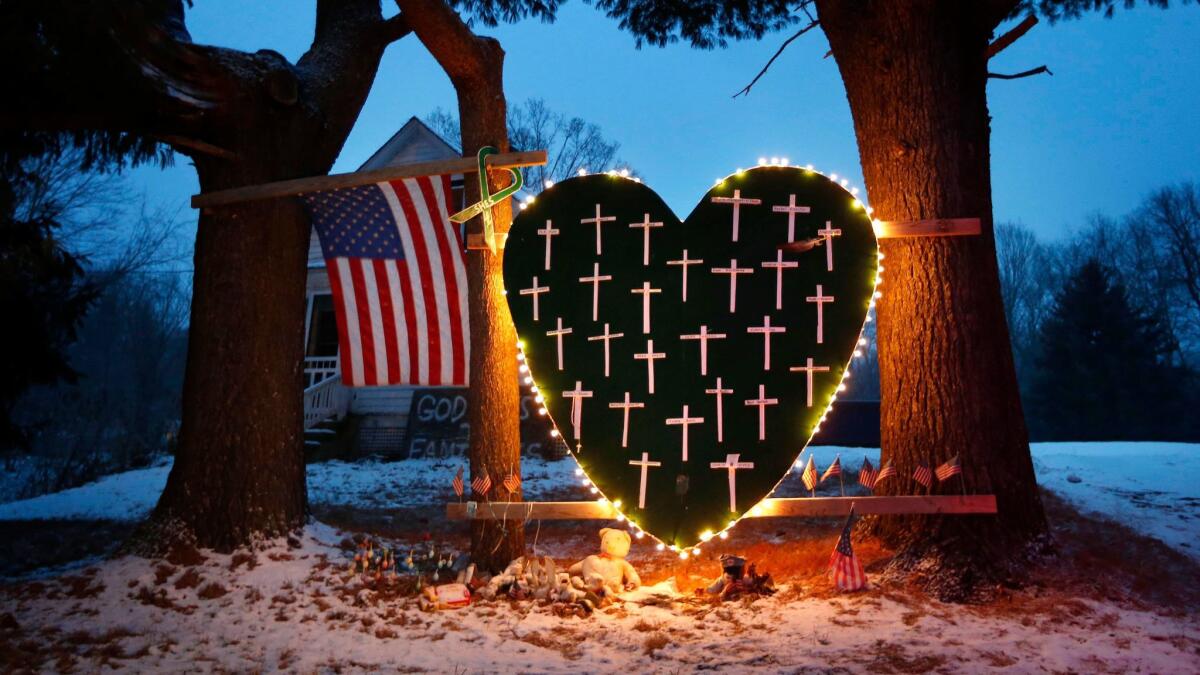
(647, 292)
(549, 232)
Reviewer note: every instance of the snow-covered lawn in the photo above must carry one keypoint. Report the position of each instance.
(1106, 605)
(296, 608)
(1152, 487)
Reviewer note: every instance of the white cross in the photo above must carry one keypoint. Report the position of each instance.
(737, 202)
(820, 298)
(730, 464)
(766, 329)
(808, 369)
(791, 209)
(685, 422)
(703, 336)
(828, 233)
(720, 393)
(646, 225)
(645, 464)
(595, 280)
(598, 222)
(762, 402)
(733, 271)
(779, 266)
(548, 232)
(607, 337)
(535, 291)
(683, 263)
(577, 395)
(645, 291)
(650, 356)
(625, 405)
(558, 333)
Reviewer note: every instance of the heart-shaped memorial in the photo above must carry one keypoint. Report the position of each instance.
(687, 364)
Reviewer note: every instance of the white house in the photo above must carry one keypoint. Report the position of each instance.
(382, 412)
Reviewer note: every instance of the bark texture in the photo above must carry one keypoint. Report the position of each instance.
(243, 119)
(915, 76)
(475, 66)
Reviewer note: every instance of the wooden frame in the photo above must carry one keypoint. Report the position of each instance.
(936, 227)
(290, 188)
(768, 508)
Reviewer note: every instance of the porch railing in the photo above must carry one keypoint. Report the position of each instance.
(319, 368)
(324, 400)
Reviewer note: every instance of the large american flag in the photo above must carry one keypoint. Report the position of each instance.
(844, 567)
(396, 268)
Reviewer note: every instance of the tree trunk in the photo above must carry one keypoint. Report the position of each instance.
(495, 443)
(239, 469)
(915, 76)
(476, 67)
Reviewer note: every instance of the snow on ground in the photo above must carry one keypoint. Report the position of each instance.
(1153, 487)
(367, 484)
(296, 608)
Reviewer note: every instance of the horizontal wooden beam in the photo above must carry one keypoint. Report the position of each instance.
(936, 227)
(768, 508)
(297, 186)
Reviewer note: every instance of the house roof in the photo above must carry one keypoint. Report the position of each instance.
(414, 142)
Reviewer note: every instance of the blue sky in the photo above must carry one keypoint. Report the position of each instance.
(1117, 119)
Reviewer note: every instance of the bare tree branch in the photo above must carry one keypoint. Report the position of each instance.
(1025, 73)
(802, 31)
(1002, 42)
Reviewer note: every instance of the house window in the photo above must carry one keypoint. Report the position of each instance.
(322, 330)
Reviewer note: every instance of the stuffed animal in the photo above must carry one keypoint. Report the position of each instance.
(608, 571)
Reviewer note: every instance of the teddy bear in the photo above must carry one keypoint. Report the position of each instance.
(608, 571)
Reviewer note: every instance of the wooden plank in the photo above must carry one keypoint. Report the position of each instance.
(289, 188)
(936, 227)
(769, 508)
(902, 504)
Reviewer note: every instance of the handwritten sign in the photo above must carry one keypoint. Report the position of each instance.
(438, 426)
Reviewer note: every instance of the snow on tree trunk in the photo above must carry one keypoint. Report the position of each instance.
(915, 76)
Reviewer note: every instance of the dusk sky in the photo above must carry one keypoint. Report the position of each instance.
(1117, 119)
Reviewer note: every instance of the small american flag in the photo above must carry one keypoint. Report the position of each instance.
(886, 472)
(512, 483)
(399, 280)
(923, 475)
(458, 482)
(834, 469)
(866, 474)
(482, 484)
(809, 476)
(844, 567)
(951, 468)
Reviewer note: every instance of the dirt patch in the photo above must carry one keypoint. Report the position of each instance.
(189, 579)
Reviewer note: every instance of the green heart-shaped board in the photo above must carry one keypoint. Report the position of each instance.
(785, 305)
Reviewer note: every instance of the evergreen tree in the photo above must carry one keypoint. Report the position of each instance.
(1104, 367)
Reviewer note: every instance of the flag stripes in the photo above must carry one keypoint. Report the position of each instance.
(397, 271)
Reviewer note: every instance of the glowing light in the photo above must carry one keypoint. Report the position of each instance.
(582, 171)
(548, 183)
(529, 380)
(539, 398)
(593, 490)
(774, 161)
(617, 503)
(554, 433)
(542, 411)
(620, 517)
(783, 161)
(660, 547)
(706, 535)
(639, 534)
(612, 172)
(878, 294)
(624, 173)
(808, 167)
(683, 555)
(723, 535)
(833, 176)
(762, 161)
(578, 472)
(523, 206)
